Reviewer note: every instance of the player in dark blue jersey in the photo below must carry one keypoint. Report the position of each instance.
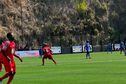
(87, 48)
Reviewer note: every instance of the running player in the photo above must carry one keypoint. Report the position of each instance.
(8, 51)
(87, 48)
(47, 53)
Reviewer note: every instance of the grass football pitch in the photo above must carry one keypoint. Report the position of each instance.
(103, 68)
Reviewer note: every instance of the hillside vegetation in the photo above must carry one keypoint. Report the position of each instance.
(63, 22)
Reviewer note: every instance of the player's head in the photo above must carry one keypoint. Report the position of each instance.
(45, 44)
(10, 36)
(87, 41)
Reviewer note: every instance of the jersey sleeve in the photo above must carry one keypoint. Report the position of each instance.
(5, 45)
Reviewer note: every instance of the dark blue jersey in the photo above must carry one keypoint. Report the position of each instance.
(87, 47)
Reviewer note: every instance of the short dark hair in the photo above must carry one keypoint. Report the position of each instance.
(87, 41)
(10, 36)
(45, 44)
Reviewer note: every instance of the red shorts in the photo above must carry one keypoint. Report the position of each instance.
(48, 56)
(9, 66)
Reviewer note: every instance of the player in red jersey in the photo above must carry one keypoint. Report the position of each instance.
(8, 51)
(47, 53)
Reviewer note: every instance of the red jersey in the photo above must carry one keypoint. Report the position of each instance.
(9, 48)
(1, 55)
(47, 50)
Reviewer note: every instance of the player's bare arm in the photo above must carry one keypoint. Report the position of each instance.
(18, 57)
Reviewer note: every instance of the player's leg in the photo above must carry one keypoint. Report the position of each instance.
(9, 66)
(13, 71)
(43, 61)
(53, 61)
(86, 55)
(0, 66)
(121, 50)
(11, 78)
(10, 75)
(89, 55)
(51, 58)
(124, 51)
(107, 50)
(111, 51)
(8, 70)
(5, 76)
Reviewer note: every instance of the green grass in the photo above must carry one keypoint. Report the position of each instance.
(103, 68)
